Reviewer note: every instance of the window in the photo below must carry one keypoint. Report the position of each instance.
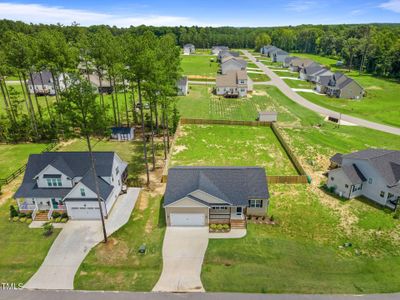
(49, 182)
(382, 194)
(220, 207)
(83, 193)
(332, 178)
(346, 186)
(255, 203)
(54, 182)
(370, 180)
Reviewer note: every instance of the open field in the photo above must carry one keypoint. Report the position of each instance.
(302, 254)
(14, 156)
(299, 84)
(22, 249)
(119, 260)
(224, 145)
(258, 77)
(199, 65)
(323, 60)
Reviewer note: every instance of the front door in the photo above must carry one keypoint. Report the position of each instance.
(239, 211)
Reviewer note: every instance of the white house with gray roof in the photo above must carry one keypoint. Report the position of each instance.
(279, 55)
(198, 196)
(373, 173)
(42, 83)
(232, 64)
(188, 49)
(342, 86)
(64, 182)
(233, 84)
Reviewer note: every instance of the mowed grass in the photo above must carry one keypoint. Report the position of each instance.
(22, 249)
(323, 60)
(302, 254)
(286, 74)
(299, 84)
(224, 145)
(256, 77)
(14, 156)
(119, 260)
(200, 65)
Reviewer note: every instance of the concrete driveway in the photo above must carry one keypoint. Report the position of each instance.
(183, 254)
(74, 243)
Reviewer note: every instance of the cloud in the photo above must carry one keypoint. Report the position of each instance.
(393, 5)
(300, 5)
(37, 13)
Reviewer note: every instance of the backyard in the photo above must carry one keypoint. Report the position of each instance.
(225, 145)
(199, 66)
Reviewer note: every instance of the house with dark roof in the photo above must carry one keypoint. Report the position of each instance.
(372, 173)
(198, 196)
(306, 72)
(188, 49)
(231, 63)
(297, 64)
(42, 83)
(227, 54)
(341, 86)
(233, 84)
(216, 49)
(64, 182)
(287, 60)
(122, 133)
(279, 55)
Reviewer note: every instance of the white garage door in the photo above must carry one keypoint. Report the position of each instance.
(84, 213)
(187, 219)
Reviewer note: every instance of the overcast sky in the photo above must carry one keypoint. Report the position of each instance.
(124, 13)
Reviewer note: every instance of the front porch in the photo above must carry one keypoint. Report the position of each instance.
(42, 210)
(231, 215)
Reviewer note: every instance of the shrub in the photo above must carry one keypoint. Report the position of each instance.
(15, 219)
(29, 215)
(22, 220)
(225, 226)
(22, 215)
(64, 220)
(64, 215)
(219, 226)
(47, 229)
(57, 220)
(13, 212)
(28, 221)
(56, 214)
(213, 226)
(271, 218)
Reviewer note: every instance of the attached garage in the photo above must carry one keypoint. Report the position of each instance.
(187, 219)
(79, 210)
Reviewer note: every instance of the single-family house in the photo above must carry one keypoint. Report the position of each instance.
(64, 182)
(306, 72)
(341, 86)
(268, 50)
(372, 173)
(232, 64)
(288, 59)
(263, 49)
(317, 75)
(226, 54)
(279, 56)
(297, 64)
(103, 86)
(267, 116)
(183, 86)
(198, 196)
(233, 84)
(188, 49)
(122, 133)
(43, 83)
(216, 49)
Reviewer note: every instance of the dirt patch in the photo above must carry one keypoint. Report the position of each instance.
(179, 148)
(112, 252)
(259, 93)
(8, 190)
(193, 77)
(373, 87)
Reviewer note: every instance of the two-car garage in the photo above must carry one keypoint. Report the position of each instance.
(187, 219)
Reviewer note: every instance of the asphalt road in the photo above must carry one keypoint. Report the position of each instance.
(278, 82)
(83, 295)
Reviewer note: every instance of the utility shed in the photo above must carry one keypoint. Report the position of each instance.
(267, 116)
(123, 133)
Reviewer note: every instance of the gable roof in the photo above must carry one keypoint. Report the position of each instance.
(337, 158)
(234, 185)
(280, 52)
(72, 164)
(46, 76)
(386, 162)
(311, 69)
(239, 61)
(301, 62)
(89, 180)
(121, 130)
(183, 81)
(230, 78)
(354, 174)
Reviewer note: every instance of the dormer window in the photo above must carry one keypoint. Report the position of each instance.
(53, 180)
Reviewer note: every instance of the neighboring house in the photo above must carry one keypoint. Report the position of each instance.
(198, 196)
(267, 116)
(123, 133)
(288, 59)
(103, 87)
(216, 49)
(269, 49)
(225, 53)
(64, 182)
(264, 49)
(297, 64)
(314, 77)
(341, 86)
(43, 83)
(306, 72)
(373, 173)
(232, 64)
(183, 86)
(233, 84)
(279, 56)
(189, 49)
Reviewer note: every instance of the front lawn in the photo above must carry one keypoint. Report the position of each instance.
(302, 254)
(286, 74)
(117, 265)
(200, 65)
(299, 84)
(224, 145)
(256, 77)
(14, 156)
(22, 249)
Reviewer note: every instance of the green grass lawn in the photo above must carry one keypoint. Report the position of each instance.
(258, 77)
(286, 74)
(302, 255)
(224, 145)
(119, 260)
(22, 249)
(199, 65)
(252, 65)
(14, 156)
(299, 84)
(323, 60)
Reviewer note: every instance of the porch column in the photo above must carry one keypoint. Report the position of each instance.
(19, 205)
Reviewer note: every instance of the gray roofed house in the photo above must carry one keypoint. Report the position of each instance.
(188, 49)
(225, 53)
(43, 83)
(233, 84)
(230, 63)
(288, 59)
(373, 173)
(123, 133)
(297, 64)
(279, 55)
(52, 180)
(216, 49)
(104, 86)
(182, 86)
(341, 86)
(309, 70)
(197, 196)
(269, 49)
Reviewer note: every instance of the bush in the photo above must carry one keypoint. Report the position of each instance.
(64, 215)
(48, 229)
(22, 220)
(29, 215)
(57, 220)
(213, 226)
(22, 215)
(55, 215)
(13, 212)
(225, 226)
(220, 227)
(28, 221)
(271, 218)
(64, 220)
(15, 219)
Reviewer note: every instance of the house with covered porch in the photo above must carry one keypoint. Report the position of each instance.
(64, 182)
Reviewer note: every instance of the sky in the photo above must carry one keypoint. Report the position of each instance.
(244, 13)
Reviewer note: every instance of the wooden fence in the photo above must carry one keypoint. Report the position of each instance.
(20, 170)
(290, 179)
(223, 122)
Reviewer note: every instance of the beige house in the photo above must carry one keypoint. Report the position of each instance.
(198, 196)
(233, 84)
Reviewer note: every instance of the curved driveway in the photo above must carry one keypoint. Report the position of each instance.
(278, 82)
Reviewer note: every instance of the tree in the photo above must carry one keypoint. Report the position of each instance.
(349, 49)
(81, 110)
(262, 39)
